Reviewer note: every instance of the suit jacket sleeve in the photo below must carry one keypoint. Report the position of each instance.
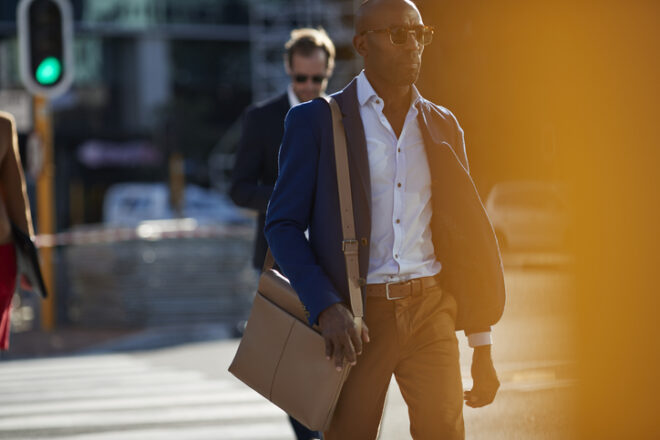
(247, 189)
(290, 209)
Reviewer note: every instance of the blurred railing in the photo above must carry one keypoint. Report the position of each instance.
(159, 273)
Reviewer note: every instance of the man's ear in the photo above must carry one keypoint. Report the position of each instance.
(360, 44)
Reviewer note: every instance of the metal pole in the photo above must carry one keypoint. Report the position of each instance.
(46, 203)
(177, 183)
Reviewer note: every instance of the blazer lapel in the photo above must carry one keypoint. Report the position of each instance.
(357, 148)
(432, 145)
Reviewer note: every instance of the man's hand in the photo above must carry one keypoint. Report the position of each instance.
(342, 341)
(484, 379)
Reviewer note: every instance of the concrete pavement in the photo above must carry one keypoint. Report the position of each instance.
(122, 393)
(185, 392)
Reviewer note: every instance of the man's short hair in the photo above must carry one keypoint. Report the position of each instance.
(305, 41)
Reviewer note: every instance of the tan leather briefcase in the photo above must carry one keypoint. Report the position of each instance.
(283, 359)
(280, 355)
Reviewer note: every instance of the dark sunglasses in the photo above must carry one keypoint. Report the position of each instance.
(316, 79)
(399, 34)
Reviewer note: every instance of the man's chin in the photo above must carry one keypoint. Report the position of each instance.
(408, 79)
(408, 75)
(305, 98)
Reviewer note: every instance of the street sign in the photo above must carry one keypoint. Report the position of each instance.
(45, 37)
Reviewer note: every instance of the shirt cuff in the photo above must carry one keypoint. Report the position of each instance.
(478, 339)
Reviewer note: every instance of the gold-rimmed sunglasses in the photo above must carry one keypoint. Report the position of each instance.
(399, 34)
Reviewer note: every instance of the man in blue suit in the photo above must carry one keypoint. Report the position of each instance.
(429, 262)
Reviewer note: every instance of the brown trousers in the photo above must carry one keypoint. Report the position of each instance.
(414, 339)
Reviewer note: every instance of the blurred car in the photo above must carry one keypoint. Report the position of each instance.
(528, 215)
(128, 204)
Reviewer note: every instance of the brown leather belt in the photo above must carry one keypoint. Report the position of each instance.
(401, 289)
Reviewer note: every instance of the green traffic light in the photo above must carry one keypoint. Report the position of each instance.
(49, 71)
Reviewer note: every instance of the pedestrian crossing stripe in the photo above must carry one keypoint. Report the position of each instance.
(265, 431)
(127, 379)
(108, 392)
(213, 396)
(115, 396)
(155, 416)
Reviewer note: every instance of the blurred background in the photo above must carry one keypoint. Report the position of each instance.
(558, 101)
(148, 131)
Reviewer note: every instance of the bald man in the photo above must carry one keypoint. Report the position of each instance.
(14, 208)
(428, 259)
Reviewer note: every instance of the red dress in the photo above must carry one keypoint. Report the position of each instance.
(7, 287)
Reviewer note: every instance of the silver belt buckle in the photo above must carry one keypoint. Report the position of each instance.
(387, 289)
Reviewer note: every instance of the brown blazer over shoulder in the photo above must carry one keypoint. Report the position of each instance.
(463, 237)
(13, 192)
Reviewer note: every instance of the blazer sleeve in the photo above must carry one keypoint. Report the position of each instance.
(460, 143)
(290, 208)
(247, 189)
(461, 151)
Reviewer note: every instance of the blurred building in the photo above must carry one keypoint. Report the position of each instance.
(170, 76)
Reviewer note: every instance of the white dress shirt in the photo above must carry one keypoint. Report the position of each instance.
(400, 247)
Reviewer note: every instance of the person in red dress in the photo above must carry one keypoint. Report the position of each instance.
(14, 207)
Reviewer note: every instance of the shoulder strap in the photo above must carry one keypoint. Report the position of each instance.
(349, 243)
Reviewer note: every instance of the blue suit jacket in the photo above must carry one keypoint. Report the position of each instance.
(305, 196)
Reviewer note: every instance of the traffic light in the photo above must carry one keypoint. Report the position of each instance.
(45, 34)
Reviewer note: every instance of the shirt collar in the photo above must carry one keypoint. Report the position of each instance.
(293, 99)
(365, 92)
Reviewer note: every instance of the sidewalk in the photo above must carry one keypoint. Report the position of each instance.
(81, 340)
(59, 342)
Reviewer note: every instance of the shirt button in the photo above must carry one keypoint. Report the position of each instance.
(378, 101)
(396, 255)
(398, 185)
(398, 221)
(398, 150)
